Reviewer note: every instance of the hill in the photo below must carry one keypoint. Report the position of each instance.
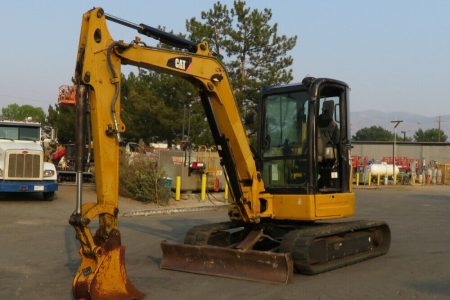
(411, 122)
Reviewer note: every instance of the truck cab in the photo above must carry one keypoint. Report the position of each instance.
(22, 165)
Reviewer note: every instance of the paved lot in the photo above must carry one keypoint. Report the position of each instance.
(39, 252)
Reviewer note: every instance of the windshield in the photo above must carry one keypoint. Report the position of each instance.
(11, 132)
(284, 144)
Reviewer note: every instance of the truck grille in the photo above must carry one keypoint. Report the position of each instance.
(24, 166)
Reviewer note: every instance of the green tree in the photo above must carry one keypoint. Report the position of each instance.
(153, 105)
(217, 24)
(256, 55)
(374, 133)
(22, 112)
(430, 135)
(62, 118)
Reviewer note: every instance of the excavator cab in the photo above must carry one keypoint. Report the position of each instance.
(303, 138)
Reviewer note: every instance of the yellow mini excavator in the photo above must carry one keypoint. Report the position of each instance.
(285, 191)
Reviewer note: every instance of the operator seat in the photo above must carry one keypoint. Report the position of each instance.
(328, 132)
(327, 149)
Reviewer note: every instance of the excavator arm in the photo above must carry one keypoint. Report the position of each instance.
(98, 76)
(99, 69)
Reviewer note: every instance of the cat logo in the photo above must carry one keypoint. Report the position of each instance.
(180, 63)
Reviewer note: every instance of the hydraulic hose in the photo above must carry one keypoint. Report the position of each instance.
(115, 80)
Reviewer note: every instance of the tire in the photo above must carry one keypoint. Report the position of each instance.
(48, 196)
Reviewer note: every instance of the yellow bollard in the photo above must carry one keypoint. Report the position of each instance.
(378, 179)
(395, 178)
(203, 191)
(357, 178)
(178, 188)
(225, 193)
(370, 178)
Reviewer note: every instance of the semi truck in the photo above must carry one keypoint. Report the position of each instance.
(22, 165)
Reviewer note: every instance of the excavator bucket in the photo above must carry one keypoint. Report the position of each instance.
(227, 262)
(104, 277)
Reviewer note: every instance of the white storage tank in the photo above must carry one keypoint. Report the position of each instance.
(383, 169)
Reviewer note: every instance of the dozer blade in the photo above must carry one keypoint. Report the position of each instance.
(104, 277)
(226, 262)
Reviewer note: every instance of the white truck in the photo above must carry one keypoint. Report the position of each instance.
(22, 165)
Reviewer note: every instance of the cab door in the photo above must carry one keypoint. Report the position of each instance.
(332, 146)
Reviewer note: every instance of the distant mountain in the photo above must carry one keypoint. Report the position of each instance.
(411, 122)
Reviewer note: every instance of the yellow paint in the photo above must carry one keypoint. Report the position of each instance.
(313, 207)
(178, 188)
(107, 278)
(203, 188)
(225, 193)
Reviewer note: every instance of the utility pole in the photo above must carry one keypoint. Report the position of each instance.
(188, 94)
(395, 123)
(439, 129)
(189, 125)
(184, 118)
(440, 120)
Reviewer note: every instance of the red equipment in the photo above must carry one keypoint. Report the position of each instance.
(66, 95)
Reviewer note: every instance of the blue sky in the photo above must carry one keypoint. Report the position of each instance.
(395, 55)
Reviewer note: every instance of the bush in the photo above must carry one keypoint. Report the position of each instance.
(140, 179)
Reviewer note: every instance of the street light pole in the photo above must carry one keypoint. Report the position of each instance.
(184, 118)
(188, 94)
(404, 135)
(396, 123)
(189, 124)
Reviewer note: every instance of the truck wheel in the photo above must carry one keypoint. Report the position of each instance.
(48, 196)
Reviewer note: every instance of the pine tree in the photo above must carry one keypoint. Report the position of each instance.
(256, 55)
(62, 118)
(153, 104)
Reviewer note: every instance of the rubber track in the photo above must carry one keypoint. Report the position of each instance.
(297, 242)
